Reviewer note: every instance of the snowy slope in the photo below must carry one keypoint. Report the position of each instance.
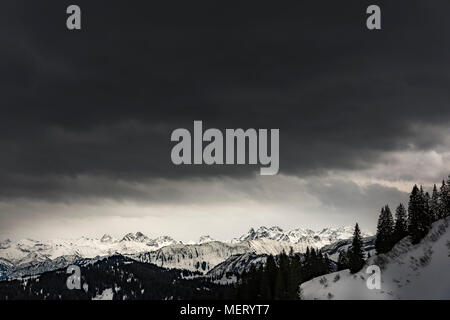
(237, 264)
(38, 267)
(333, 250)
(408, 271)
(203, 257)
(196, 257)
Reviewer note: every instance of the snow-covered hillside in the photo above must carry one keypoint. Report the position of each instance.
(201, 257)
(333, 250)
(407, 272)
(205, 256)
(237, 264)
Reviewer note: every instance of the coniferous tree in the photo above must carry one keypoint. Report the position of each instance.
(313, 263)
(445, 198)
(343, 261)
(307, 265)
(356, 253)
(401, 223)
(435, 205)
(385, 229)
(428, 219)
(279, 279)
(442, 204)
(268, 278)
(282, 278)
(295, 275)
(417, 216)
(328, 266)
(249, 284)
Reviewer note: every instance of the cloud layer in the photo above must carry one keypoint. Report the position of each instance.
(87, 116)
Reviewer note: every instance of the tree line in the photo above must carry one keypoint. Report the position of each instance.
(416, 221)
(281, 276)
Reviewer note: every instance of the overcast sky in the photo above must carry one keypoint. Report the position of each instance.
(87, 115)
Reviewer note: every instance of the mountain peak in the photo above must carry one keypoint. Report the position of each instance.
(138, 237)
(5, 244)
(274, 232)
(107, 238)
(161, 241)
(204, 239)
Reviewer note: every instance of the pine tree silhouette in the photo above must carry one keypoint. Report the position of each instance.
(435, 205)
(445, 198)
(417, 215)
(385, 229)
(356, 253)
(401, 223)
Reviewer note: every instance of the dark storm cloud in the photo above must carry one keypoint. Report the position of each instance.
(350, 197)
(103, 101)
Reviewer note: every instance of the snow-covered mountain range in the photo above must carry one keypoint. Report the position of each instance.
(202, 255)
(307, 237)
(28, 250)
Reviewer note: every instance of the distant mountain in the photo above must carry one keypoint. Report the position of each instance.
(5, 244)
(27, 256)
(203, 257)
(33, 251)
(38, 266)
(107, 238)
(306, 237)
(137, 237)
(162, 241)
(196, 257)
(204, 239)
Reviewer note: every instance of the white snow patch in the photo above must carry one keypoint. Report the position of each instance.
(107, 294)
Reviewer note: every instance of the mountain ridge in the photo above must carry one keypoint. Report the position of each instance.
(28, 255)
